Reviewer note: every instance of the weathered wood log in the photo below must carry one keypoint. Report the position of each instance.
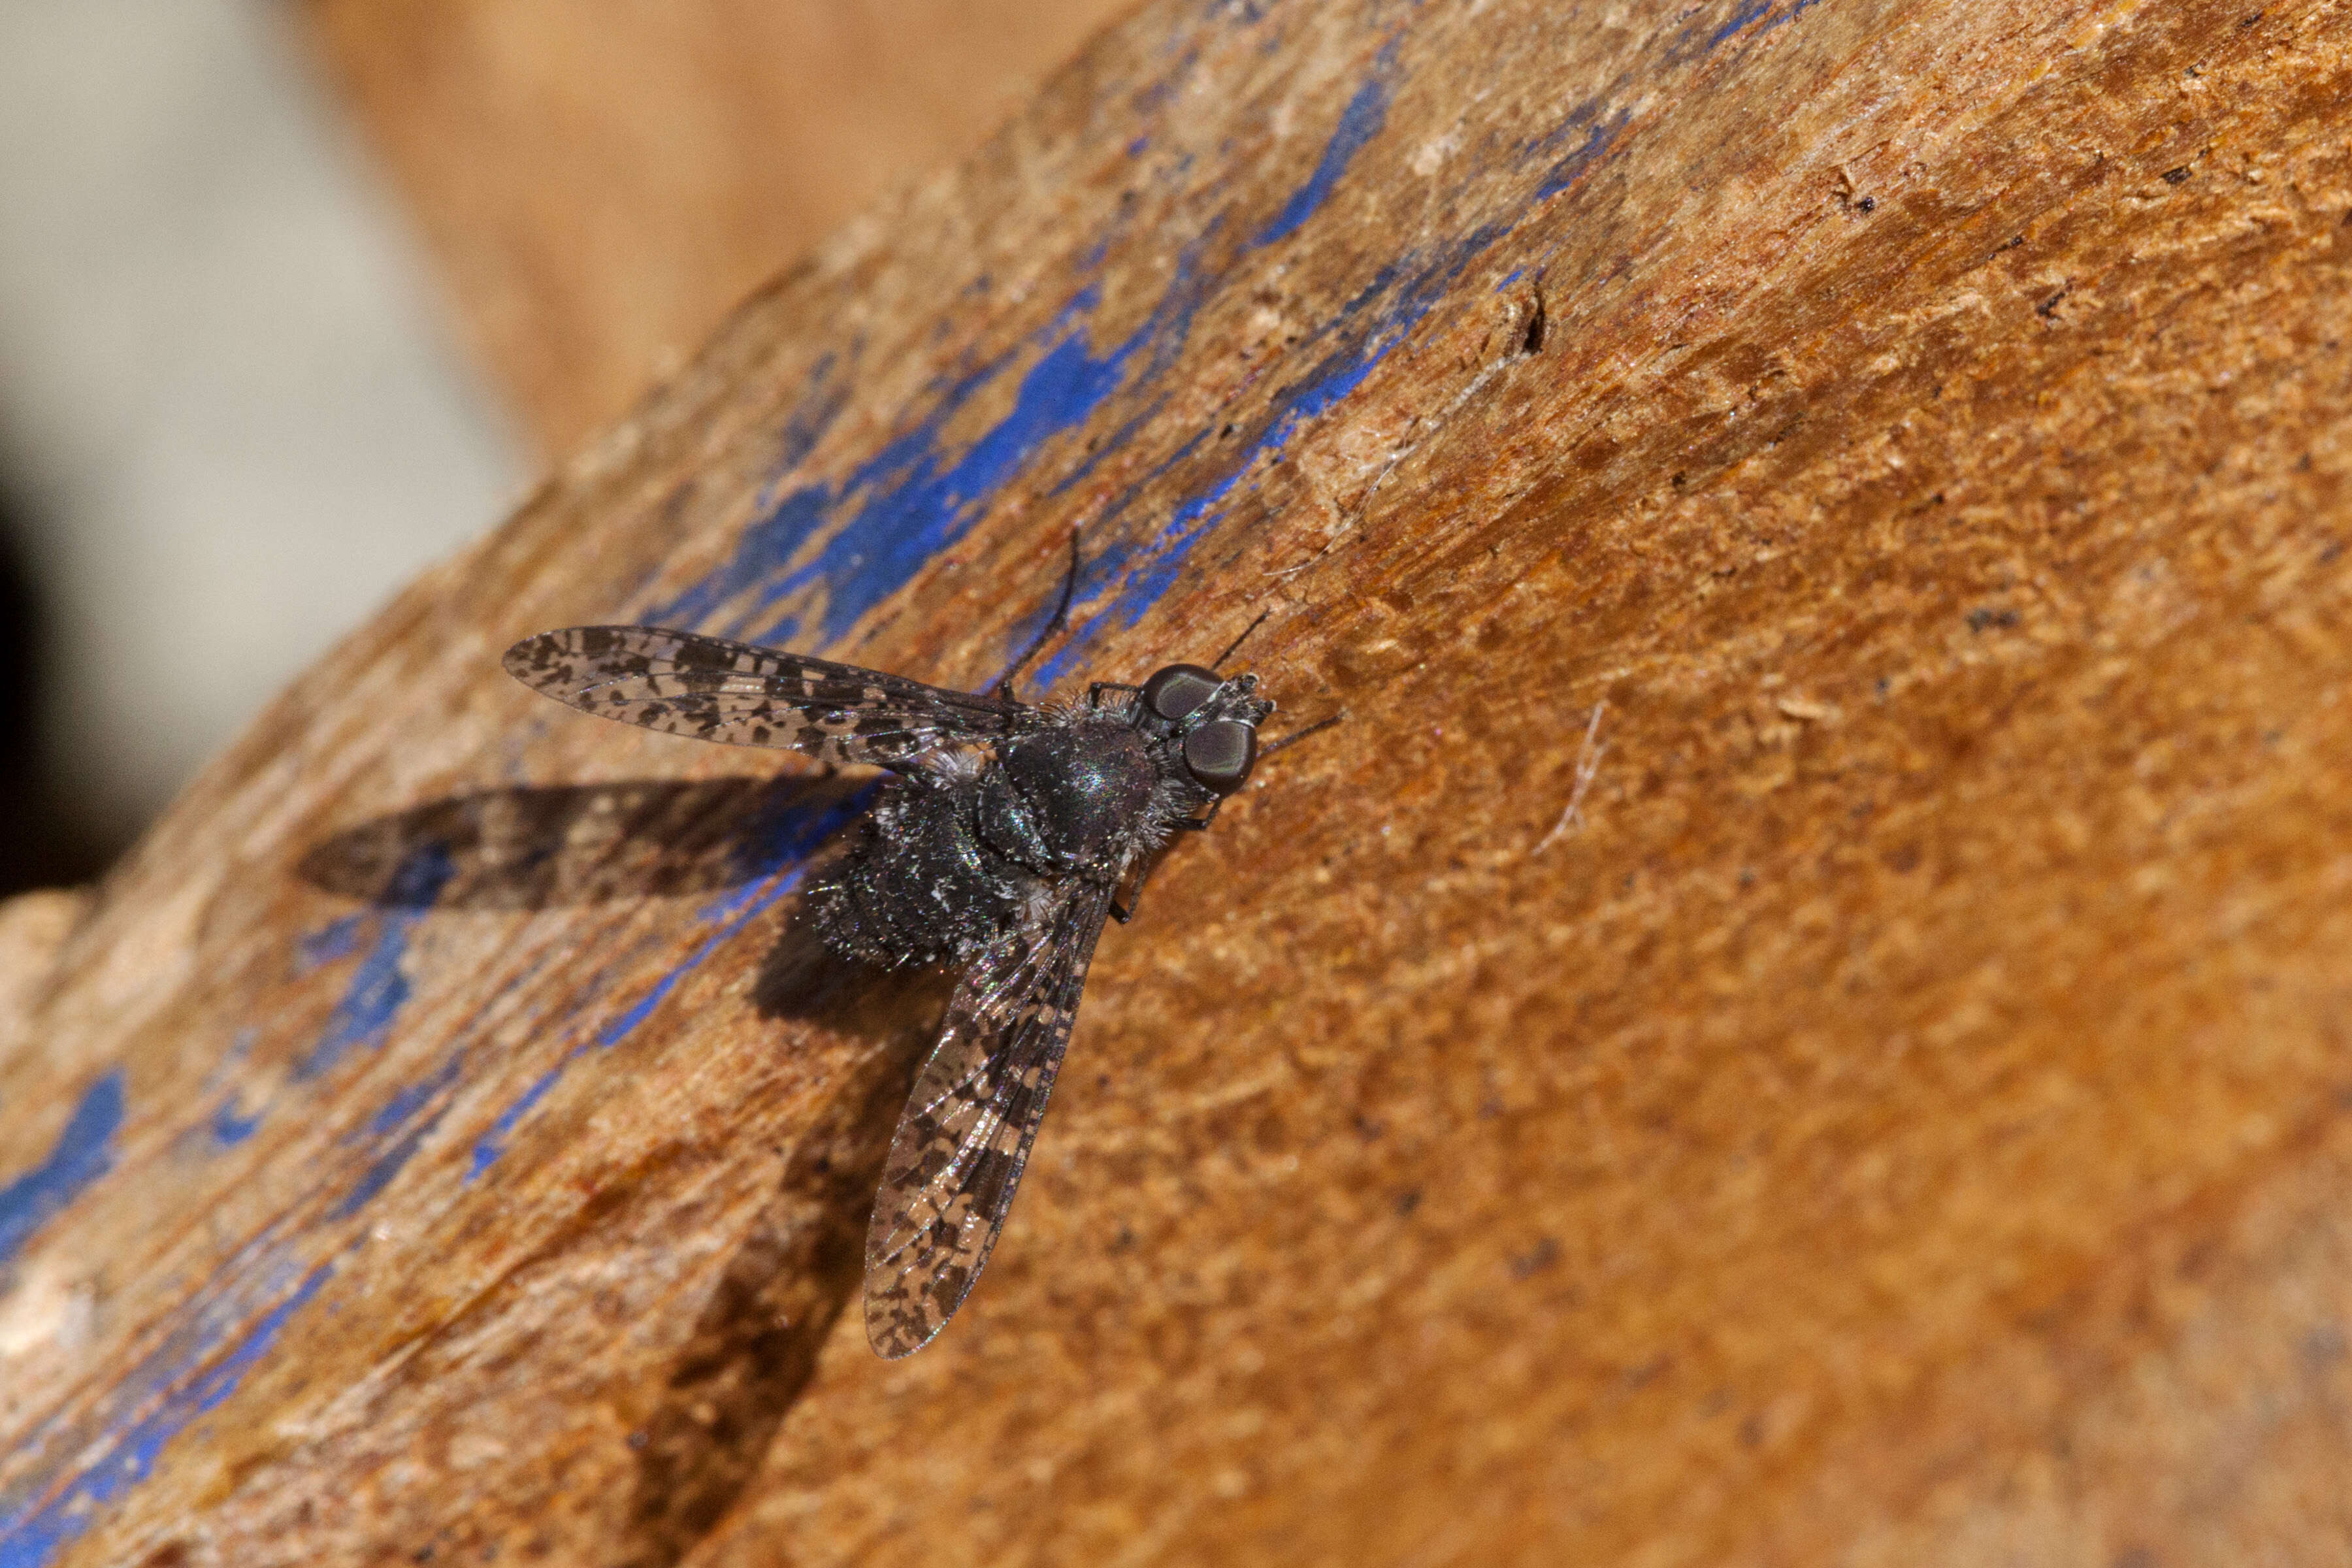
(1895, 1116)
(602, 181)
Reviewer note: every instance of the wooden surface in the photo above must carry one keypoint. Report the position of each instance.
(602, 181)
(1900, 1118)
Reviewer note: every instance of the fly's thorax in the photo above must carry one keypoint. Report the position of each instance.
(1070, 798)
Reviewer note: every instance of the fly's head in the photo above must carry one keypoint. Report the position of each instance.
(1204, 725)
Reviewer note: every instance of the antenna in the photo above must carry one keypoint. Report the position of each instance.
(1297, 735)
(1061, 620)
(1218, 663)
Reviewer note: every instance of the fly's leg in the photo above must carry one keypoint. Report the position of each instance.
(1094, 692)
(1143, 867)
(1125, 912)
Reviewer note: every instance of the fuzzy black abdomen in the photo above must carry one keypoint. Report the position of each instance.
(919, 886)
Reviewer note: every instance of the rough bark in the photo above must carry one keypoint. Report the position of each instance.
(1898, 1117)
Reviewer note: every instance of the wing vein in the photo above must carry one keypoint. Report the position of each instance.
(965, 1136)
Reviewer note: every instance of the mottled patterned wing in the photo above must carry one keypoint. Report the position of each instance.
(741, 695)
(967, 1129)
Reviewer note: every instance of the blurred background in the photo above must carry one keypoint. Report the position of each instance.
(298, 296)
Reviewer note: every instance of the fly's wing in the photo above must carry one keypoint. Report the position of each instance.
(741, 695)
(967, 1129)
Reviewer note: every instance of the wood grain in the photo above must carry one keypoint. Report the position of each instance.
(1900, 1118)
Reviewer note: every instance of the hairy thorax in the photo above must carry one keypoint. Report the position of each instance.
(950, 863)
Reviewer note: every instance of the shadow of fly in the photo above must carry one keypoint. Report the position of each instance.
(1009, 832)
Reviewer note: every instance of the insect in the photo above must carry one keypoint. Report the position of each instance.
(1006, 835)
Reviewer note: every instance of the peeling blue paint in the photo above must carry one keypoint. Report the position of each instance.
(377, 992)
(1363, 333)
(228, 1127)
(336, 939)
(1360, 335)
(398, 1130)
(224, 1329)
(381, 1171)
(493, 1143)
(1747, 16)
(733, 911)
(1601, 134)
(1364, 118)
(787, 847)
(1741, 20)
(822, 400)
(78, 1157)
(1167, 330)
(911, 499)
(190, 1375)
(406, 1103)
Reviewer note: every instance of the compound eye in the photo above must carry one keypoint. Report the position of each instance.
(1176, 691)
(1220, 754)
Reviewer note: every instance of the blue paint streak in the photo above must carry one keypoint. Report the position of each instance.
(78, 1157)
(821, 401)
(1167, 330)
(795, 837)
(1365, 114)
(183, 1389)
(1741, 20)
(403, 1105)
(1747, 16)
(622, 1027)
(910, 499)
(1600, 136)
(336, 939)
(378, 991)
(918, 503)
(1363, 333)
(379, 1173)
(221, 1381)
(734, 910)
(228, 1127)
(397, 1124)
(493, 1143)
(1367, 329)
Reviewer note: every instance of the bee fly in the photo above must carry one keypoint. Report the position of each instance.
(1009, 832)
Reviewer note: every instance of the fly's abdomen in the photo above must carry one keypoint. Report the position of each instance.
(919, 886)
